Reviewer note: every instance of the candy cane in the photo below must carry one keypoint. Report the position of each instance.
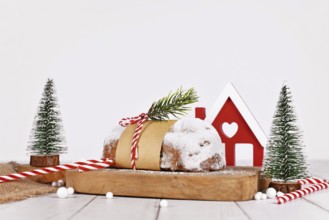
(81, 165)
(313, 180)
(93, 166)
(133, 120)
(302, 192)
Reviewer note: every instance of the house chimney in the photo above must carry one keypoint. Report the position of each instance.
(200, 112)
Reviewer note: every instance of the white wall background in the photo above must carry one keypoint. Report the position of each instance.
(100, 52)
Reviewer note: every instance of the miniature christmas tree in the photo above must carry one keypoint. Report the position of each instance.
(47, 137)
(285, 160)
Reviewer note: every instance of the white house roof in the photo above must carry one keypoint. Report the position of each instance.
(230, 92)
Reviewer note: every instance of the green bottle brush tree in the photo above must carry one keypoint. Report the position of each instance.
(47, 133)
(285, 161)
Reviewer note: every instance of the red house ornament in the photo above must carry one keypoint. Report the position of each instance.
(235, 125)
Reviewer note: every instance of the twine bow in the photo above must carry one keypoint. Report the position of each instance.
(139, 120)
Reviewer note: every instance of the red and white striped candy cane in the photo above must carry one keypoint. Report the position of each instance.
(312, 180)
(93, 164)
(82, 165)
(301, 192)
(134, 149)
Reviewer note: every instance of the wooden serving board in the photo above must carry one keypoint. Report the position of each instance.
(230, 184)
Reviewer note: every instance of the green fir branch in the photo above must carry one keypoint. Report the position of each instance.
(174, 104)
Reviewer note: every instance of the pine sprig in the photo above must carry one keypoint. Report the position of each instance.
(174, 104)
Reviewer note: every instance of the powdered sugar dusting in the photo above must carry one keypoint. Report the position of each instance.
(114, 135)
(231, 171)
(197, 141)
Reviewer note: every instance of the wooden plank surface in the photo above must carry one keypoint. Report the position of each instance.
(321, 198)
(45, 207)
(232, 184)
(5, 206)
(297, 209)
(119, 208)
(313, 206)
(189, 209)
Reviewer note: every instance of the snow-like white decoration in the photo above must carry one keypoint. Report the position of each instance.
(197, 141)
(263, 197)
(163, 203)
(279, 194)
(109, 195)
(62, 192)
(258, 195)
(227, 171)
(70, 190)
(114, 135)
(271, 193)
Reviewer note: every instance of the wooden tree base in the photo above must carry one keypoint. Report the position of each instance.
(44, 160)
(285, 187)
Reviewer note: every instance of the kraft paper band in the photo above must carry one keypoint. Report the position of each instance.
(149, 145)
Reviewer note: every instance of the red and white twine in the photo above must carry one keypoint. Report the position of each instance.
(81, 166)
(139, 120)
(316, 185)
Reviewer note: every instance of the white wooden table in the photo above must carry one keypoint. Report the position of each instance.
(78, 206)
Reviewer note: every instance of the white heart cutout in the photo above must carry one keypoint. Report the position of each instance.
(230, 129)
